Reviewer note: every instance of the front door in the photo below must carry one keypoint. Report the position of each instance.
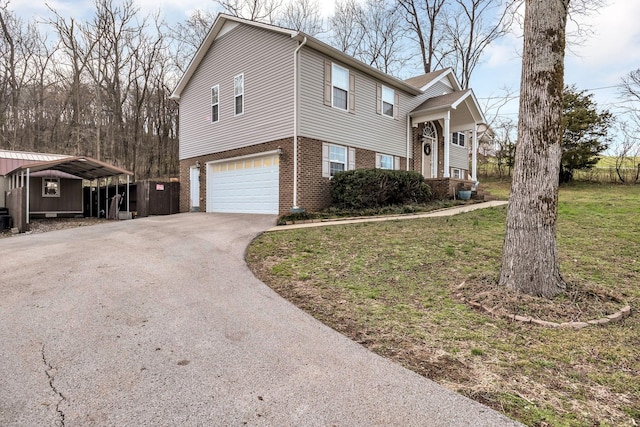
(194, 186)
(428, 147)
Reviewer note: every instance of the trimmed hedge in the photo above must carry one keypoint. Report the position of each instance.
(373, 188)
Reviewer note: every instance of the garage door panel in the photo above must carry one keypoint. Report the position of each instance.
(244, 185)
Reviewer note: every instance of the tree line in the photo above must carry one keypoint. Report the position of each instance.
(100, 86)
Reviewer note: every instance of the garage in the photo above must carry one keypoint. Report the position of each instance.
(248, 184)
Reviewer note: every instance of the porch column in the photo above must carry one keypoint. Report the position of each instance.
(474, 154)
(447, 138)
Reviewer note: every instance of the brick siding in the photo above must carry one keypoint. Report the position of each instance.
(286, 172)
(313, 188)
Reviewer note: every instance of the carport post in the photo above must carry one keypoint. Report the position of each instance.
(127, 196)
(98, 197)
(28, 188)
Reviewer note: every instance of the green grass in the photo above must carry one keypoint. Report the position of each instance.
(390, 286)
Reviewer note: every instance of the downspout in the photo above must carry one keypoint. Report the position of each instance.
(408, 139)
(295, 125)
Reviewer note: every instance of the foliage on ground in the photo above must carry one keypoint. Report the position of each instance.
(391, 287)
(335, 212)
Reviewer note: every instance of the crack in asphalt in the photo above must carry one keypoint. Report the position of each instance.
(47, 371)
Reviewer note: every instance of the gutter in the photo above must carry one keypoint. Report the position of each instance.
(295, 207)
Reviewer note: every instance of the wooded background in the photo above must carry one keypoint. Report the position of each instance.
(100, 86)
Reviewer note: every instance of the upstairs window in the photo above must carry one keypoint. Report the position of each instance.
(215, 103)
(238, 93)
(340, 86)
(388, 99)
(458, 139)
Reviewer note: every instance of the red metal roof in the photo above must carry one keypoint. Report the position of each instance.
(10, 160)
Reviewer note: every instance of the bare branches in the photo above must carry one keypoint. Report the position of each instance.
(371, 32)
(471, 26)
(303, 15)
(424, 21)
(253, 10)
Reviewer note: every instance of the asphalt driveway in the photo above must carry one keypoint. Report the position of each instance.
(158, 322)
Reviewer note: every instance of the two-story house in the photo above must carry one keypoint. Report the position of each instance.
(268, 115)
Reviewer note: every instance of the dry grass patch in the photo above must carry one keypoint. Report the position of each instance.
(392, 287)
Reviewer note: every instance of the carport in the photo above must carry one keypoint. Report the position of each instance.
(79, 166)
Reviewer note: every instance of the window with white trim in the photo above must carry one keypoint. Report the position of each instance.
(457, 138)
(340, 86)
(337, 159)
(386, 161)
(215, 103)
(238, 94)
(457, 173)
(388, 101)
(50, 187)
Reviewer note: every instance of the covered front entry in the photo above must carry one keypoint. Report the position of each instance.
(459, 122)
(248, 184)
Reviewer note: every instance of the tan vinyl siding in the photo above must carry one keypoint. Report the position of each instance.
(438, 88)
(459, 157)
(364, 127)
(266, 59)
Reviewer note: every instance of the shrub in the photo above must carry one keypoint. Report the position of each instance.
(372, 188)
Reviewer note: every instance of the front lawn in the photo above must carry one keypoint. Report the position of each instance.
(392, 287)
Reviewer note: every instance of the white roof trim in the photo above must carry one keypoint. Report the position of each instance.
(452, 82)
(217, 26)
(222, 19)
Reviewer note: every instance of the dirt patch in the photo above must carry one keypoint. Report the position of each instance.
(581, 302)
(52, 224)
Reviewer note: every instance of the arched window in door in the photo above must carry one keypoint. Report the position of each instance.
(429, 150)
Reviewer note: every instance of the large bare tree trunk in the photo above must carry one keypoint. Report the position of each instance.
(530, 254)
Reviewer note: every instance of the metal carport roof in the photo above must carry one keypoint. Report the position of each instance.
(80, 166)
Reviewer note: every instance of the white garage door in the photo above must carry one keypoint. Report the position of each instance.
(244, 185)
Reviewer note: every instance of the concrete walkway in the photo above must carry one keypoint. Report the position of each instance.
(442, 212)
(159, 322)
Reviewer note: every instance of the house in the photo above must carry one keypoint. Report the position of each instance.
(48, 185)
(268, 115)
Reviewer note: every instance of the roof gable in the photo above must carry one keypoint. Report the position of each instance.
(425, 81)
(225, 23)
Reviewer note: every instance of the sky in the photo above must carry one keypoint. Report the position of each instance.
(596, 64)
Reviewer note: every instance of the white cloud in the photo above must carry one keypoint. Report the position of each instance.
(615, 44)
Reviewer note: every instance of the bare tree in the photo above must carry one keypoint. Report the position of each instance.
(187, 37)
(371, 32)
(423, 18)
(18, 45)
(382, 36)
(346, 32)
(302, 15)
(530, 255)
(76, 51)
(471, 26)
(253, 10)
(628, 157)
